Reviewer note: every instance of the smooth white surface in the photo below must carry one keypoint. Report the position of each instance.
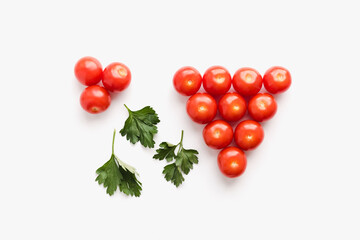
(301, 183)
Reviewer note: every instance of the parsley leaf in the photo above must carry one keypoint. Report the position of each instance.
(115, 173)
(173, 174)
(140, 126)
(166, 151)
(184, 160)
(109, 175)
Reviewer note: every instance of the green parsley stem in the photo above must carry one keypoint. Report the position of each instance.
(182, 136)
(127, 107)
(181, 141)
(113, 141)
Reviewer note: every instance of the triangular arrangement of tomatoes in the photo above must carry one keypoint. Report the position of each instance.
(95, 98)
(202, 108)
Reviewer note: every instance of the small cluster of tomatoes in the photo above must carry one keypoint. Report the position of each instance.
(218, 134)
(115, 78)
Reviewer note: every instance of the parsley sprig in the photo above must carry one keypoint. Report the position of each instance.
(141, 126)
(115, 173)
(184, 160)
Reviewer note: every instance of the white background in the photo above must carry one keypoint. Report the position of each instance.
(301, 183)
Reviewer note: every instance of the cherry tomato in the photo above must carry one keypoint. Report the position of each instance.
(116, 77)
(262, 107)
(232, 107)
(232, 162)
(218, 134)
(95, 99)
(201, 108)
(248, 134)
(217, 80)
(247, 81)
(88, 71)
(187, 81)
(277, 80)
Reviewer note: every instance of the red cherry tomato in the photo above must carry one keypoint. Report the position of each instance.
(232, 162)
(277, 80)
(262, 107)
(201, 108)
(218, 134)
(248, 134)
(116, 77)
(232, 107)
(217, 80)
(247, 81)
(187, 81)
(95, 99)
(88, 71)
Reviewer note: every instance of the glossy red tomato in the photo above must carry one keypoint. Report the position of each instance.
(88, 71)
(247, 81)
(218, 134)
(277, 80)
(232, 162)
(95, 99)
(116, 77)
(187, 81)
(232, 107)
(217, 80)
(262, 107)
(248, 134)
(201, 108)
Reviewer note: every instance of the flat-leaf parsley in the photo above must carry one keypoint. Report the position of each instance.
(184, 160)
(141, 126)
(115, 173)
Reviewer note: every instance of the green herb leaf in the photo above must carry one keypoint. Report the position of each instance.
(166, 151)
(109, 175)
(131, 185)
(184, 160)
(115, 173)
(140, 126)
(173, 174)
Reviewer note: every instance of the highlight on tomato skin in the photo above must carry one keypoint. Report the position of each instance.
(262, 107)
(116, 77)
(248, 135)
(277, 80)
(187, 81)
(232, 107)
(95, 99)
(232, 162)
(88, 71)
(216, 80)
(218, 134)
(201, 108)
(247, 81)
